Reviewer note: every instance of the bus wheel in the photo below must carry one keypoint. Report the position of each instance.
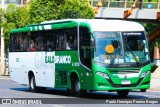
(32, 84)
(123, 93)
(75, 88)
(143, 90)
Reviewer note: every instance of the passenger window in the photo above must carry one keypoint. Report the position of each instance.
(71, 35)
(32, 44)
(37, 41)
(61, 41)
(50, 40)
(18, 42)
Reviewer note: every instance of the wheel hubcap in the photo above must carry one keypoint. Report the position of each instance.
(77, 86)
(32, 86)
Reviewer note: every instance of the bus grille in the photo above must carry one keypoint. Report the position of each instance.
(120, 85)
(125, 72)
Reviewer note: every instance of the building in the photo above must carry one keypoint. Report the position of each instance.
(4, 3)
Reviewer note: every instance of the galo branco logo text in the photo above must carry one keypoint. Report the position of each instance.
(58, 59)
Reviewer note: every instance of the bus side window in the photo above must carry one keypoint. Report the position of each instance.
(40, 40)
(32, 38)
(24, 42)
(50, 40)
(70, 43)
(18, 42)
(85, 50)
(66, 39)
(12, 43)
(49, 45)
(71, 37)
(60, 41)
(32, 46)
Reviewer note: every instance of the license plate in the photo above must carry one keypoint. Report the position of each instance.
(125, 82)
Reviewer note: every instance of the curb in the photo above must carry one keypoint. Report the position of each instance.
(4, 77)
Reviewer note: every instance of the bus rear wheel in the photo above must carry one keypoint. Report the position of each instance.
(76, 89)
(33, 87)
(123, 93)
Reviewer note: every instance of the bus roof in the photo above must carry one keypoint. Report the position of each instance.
(94, 24)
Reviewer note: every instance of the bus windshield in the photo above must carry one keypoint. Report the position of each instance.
(120, 48)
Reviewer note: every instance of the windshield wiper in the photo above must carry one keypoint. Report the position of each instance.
(135, 58)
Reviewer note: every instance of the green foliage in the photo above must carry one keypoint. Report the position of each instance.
(75, 9)
(152, 44)
(18, 15)
(7, 27)
(148, 28)
(14, 17)
(42, 10)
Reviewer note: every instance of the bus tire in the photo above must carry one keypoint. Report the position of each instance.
(143, 90)
(75, 88)
(32, 84)
(123, 93)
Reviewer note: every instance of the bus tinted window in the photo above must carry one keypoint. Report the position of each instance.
(61, 40)
(66, 39)
(37, 41)
(71, 39)
(18, 42)
(50, 38)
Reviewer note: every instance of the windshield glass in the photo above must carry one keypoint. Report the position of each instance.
(120, 47)
(104, 39)
(135, 47)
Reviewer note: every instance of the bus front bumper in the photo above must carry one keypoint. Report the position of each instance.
(142, 83)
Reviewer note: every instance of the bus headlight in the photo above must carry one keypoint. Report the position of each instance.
(144, 74)
(102, 74)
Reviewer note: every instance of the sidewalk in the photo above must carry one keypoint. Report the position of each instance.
(155, 80)
(155, 84)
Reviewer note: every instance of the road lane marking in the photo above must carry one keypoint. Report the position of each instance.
(57, 106)
(148, 95)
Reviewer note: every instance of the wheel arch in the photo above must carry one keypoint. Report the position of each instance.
(74, 74)
(75, 80)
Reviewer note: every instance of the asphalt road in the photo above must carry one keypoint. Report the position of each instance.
(19, 94)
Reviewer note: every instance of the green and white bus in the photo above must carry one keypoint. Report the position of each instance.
(81, 55)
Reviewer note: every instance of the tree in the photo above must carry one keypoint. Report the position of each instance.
(76, 9)
(42, 10)
(14, 17)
